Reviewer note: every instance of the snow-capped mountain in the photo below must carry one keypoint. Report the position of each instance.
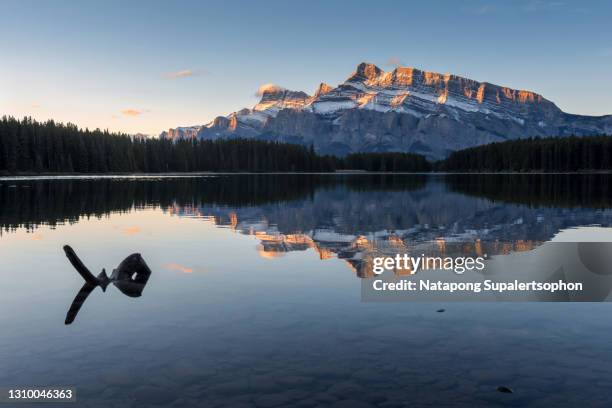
(406, 110)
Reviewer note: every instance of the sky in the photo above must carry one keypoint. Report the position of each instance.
(146, 66)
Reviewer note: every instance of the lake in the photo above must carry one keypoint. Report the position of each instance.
(254, 296)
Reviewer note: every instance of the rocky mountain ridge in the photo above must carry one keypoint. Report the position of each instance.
(406, 109)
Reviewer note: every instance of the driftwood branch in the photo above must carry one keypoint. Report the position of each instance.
(80, 266)
(89, 277)
(130, 277)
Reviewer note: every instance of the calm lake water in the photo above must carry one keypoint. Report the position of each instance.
(254, 296)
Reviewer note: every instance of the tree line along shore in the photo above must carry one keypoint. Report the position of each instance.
(31, 147)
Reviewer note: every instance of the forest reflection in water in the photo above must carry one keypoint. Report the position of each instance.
(352, 217)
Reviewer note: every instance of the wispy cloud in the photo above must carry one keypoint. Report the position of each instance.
(541, 5)
(176, 267)
(395, 62)
(183, 73)
(132, 231)
(268, 88)
(131, 112)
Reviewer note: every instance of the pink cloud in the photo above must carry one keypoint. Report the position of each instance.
(131, 112)
(268, 88)
(132, 231)
(178, 268)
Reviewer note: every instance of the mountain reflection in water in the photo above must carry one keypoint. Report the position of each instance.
(219, 326)
(352, 217)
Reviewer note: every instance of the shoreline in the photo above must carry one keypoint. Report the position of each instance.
(14, 176)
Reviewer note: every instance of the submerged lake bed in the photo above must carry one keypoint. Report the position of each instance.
(254, 296)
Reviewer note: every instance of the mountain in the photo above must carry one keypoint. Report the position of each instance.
(405, 110)
(140, 136)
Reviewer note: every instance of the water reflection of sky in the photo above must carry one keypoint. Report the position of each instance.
(221, 325)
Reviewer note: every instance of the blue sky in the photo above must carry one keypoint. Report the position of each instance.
(144, 66)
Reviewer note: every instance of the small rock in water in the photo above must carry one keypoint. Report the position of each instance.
(505, 390)
(441, 310)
